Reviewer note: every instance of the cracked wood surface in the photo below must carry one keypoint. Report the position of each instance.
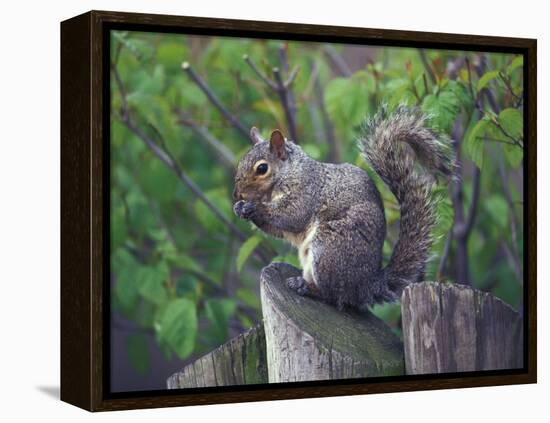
(309, 340)
(454, 328)
(239, 361)
(446, 328)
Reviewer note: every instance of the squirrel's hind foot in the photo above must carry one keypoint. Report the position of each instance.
(298, 284)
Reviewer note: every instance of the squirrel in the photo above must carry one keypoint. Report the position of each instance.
(334, 214)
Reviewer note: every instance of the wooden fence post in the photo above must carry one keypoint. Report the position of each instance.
(239, 361)
(454, 328)
(447, 328)
(309, 340)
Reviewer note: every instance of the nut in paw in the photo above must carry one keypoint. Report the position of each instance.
(244, 209)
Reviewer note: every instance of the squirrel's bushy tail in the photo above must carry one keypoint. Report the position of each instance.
(390, 144)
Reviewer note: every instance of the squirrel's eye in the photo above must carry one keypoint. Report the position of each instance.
(262, 169)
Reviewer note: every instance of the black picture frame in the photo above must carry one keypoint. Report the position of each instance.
(85, 100)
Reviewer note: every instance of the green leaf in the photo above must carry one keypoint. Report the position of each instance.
(206, 217)
(248, 297)
(185, 262)
(119, 231)
(172, 54)
(291, 258)
(157, 180)
(138, 352)
(514, 155)
(461, 93)
(511, 121)
(187, 286)
(347, 101)
(126, 288)
(510, 291)
(151, 85)
(396, 92)
(473, 142)
(445, 217)
(151, 282)
(389, 312)
(497, 207)
(486, 78)
(219, 311)
(246, 249)
(312, 150)
(516, 63)
(177, 326)
(441, 109)
(140, 49)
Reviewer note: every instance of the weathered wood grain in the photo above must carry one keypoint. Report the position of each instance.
(308, 340)
(240, 361)
(454, 328)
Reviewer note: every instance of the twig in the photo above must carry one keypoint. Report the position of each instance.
(169, 161)
(427, 66)
(476, 182)
(508, 85)
(506, 134)
(489, 96)
(285, 84)
(259, 73)
(281, 87)
(226, 156)
(235, 122)
(334, 145)
(470, 83)
(462, 274)
(500, 141)
(292, 76)
(426, 89)
(338, 61)
(288, 106)
(445, 255)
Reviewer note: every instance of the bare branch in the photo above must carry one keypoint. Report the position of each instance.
(286, 86)
(224, 154)
(259, 73)
(445, 255)
(337, 61)
(334, 155)
(292, 77)
(508, 84)
(427, 66)
(235, 122)
(462, 268)
(288, 105)
(171, 163)
(464, 230)
(281, 87)
(426, 89)
(470, 82)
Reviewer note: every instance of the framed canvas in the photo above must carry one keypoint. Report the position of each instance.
(260, 210)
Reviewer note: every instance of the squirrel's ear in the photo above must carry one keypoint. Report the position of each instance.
(277, 144)
(255, 136)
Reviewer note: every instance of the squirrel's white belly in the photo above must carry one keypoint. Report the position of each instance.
(302, 241)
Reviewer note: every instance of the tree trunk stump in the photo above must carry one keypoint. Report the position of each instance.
(308, 340)
(454, 328)
(240, 361)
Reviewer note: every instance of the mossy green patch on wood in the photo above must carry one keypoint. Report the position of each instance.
(357, 345)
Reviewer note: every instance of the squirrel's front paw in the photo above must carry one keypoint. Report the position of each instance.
(298, 284)
(244, 209)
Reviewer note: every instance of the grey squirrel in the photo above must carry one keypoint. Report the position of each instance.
(334, 215)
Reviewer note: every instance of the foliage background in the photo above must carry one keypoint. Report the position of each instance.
(185, 271)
